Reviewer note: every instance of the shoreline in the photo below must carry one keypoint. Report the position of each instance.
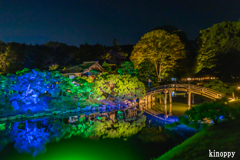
(105, 106)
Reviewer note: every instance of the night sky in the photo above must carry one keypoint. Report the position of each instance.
(76, 22)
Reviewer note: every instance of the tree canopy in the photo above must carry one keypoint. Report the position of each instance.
(219, 86)
(160, 48)
(127, 68)
(120, 86)
(221, 38)
(106, 66)
(27, 86)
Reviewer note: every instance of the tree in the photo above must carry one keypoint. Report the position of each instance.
(221, 38)
(186, 66)
(53, 67)
(127, 68)
(227, 66)
(29, 86)
(160, 48)
(219, 86)
(86, 88)
(6, 59)
(146, 71)
(106, 66)
(115, 55)
(120, 86)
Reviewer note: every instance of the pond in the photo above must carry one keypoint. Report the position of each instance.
(127, 136)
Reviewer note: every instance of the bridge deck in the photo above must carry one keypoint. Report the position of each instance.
(212, 94)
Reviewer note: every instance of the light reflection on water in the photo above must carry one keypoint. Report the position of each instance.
(142, 134)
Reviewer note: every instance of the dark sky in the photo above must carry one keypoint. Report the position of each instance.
(76, 22)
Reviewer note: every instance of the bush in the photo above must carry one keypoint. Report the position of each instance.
(196, 117)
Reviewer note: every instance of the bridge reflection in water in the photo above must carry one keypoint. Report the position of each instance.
(148, 105)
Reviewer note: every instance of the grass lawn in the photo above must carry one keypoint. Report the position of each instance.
(222, 137)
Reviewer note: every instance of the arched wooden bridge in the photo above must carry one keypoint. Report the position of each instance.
(190, 89)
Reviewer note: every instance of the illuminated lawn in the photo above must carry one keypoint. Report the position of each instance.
(224, 137)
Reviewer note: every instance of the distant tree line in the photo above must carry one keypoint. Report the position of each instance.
(162, 53)
(15, 56)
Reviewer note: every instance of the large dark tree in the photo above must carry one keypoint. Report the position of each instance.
(214, 42)
(184, 66)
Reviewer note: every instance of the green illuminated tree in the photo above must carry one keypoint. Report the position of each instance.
(127, 68)
(160, 48)
(83, 87)
(129, 87)
(120, 86)
(146, 71)
(221, 38)
(106, 66)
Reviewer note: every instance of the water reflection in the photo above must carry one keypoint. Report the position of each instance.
(165, 110)
(35, 135)
(154, 134)
(31, 136)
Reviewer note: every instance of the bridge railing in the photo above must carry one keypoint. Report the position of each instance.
(189, 87)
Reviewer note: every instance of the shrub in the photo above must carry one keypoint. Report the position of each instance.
(196, 117)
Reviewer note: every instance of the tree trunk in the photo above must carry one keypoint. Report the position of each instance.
(160, 70)
(156, 67)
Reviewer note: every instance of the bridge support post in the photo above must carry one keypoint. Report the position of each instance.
(139, 104)
(147, 101)
(189, 99)
(165, 109)
(165, 98)
(170, 97)
(170, 110)
(159, 99)
(192, 98)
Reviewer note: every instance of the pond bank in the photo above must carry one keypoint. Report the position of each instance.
(104, 106)
(223, 137)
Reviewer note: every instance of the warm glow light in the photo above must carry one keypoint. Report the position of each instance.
(232, 100)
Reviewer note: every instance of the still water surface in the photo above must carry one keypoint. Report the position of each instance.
(75, 137)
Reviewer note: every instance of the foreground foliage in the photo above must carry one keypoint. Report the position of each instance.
(219, 86)
(199, 116)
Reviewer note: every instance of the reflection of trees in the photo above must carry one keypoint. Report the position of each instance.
(31, 141)
(154, 134)
(32, 138)
(60, 130)
(4, 135)
(120, 128)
